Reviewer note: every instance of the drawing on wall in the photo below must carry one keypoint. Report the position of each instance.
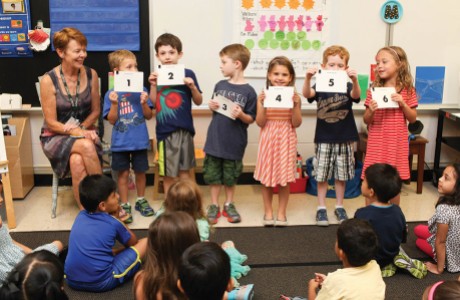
(12, 6)
(297, 29)
(429, 84)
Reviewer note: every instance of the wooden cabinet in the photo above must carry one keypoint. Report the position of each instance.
(19, 155)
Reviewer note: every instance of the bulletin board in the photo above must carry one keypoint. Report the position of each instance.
(14, 26)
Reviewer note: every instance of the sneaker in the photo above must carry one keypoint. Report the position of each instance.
(416, 267)
(321, 218)
(389, 270)
(244, 292)
(213, 213)
(127, 208)
(144, 207)
(231, 214)
(341, 214)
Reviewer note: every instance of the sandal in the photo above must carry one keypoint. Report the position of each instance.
(144, 208)
(124, 214)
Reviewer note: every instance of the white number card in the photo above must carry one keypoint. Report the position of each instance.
(226, 106)
(128, 82)
(331, 81)
(279, 97)
(383, 97)
(171, 74)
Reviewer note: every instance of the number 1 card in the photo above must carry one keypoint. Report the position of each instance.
(128, 82)
(171, 74)
(226, 106)
(331, 81)
(279, 97)
(383, 97)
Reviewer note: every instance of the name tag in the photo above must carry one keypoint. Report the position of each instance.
(128, 82)
(331, 81)
(171, 74)
(279, 97)
(383, 97)
(226, 106)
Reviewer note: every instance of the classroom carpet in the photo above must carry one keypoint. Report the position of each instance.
(282, 261)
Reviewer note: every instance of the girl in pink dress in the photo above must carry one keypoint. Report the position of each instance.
(388, 136)
(276, 159)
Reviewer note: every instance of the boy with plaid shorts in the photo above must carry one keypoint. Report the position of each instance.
(335, 133)
(227, 137)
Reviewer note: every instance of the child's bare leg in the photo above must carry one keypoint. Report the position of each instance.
(123, 177)
(322, 190)
(339, 192)
(59, 245)
(141, 247)
(215, 191)
(24, 248)
(283, 196)
(230, 192)
(140, 184)
(267, 195)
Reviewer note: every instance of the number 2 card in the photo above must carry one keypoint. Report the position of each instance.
(279, 97)
(331, 81)
(383, 97)
(171, 74)
(226, 106)
(128, 82)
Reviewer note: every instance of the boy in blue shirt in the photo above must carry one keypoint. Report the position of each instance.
(127, 113)
(173, 104)
(227, 138)
(92, 263)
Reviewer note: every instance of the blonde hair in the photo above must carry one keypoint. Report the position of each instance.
(117, 57)
(281, 61)
(185, 195)
(62, 38)
(237, 52)
(404, 78)
(336, 50)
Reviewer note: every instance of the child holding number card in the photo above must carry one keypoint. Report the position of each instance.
(276, 158)
(388, 136)
(127, 113)
(173, 104)
(227, 137)
(336, 132)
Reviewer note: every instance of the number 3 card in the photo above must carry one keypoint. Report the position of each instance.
(383, 97)
(171, 74)
(331, 81)
(128, 82)
(226, 106)
(279, 97)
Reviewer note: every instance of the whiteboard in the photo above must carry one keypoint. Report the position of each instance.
(4, 168)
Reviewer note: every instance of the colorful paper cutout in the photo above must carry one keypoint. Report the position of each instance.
(363, 81)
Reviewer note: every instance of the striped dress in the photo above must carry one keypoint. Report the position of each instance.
(388, 136)
(276, 158)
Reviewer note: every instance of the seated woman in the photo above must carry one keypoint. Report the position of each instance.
(71, 106)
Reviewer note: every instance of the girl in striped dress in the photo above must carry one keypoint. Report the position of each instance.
(388, 136)
(276, 159)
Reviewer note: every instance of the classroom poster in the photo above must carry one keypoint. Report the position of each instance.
(14, 26)
(297, 29)
(429, 84)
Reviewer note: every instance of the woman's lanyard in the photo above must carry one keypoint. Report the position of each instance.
(73, 101)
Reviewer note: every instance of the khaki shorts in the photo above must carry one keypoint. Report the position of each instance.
(176, 153)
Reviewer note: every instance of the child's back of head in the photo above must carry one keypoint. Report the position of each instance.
(204, 272)
(38, 276)
(184, 195)
(443, 290)
(237, 52)
(116, 57)
(358, 241)
(95, 189)
(384, 180)
(168, 39)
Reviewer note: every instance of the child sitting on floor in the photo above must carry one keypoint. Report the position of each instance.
(442, 290)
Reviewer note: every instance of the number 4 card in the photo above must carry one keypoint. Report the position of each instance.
(171, 74)
(331, 81)
(128, 82)
(226, 106)
(279, 97)
(383, 97)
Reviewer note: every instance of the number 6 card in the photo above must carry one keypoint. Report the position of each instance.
(279, 97)
(226, 106)
(331, 81)
(128, 82)
(171, 74)
(383, 97)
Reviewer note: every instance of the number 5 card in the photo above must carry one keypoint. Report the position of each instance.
(128, 82)
(279, 97)
(226, 106)
(171, 74)
(383, 97)
(331, 81)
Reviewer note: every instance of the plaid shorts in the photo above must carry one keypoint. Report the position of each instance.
(336, 160)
